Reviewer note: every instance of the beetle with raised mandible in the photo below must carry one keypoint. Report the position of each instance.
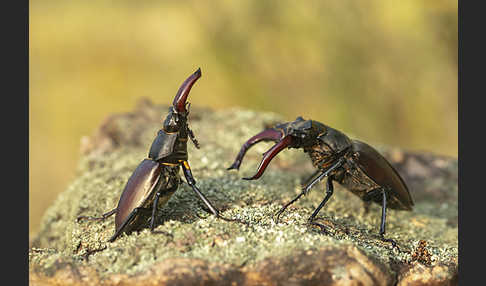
(156, 178)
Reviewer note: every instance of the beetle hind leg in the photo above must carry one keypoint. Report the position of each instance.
(376, 193)
(383, 220)
(102, 217)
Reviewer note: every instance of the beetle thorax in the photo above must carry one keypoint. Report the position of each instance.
(329, 146)
(320, 154)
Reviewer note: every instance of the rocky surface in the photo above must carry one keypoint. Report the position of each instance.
(194, 248)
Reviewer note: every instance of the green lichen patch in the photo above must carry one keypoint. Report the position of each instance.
(186, 230)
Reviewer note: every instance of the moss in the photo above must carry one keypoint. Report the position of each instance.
(192, 232)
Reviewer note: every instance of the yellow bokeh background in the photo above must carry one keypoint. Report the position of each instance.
(383, 71)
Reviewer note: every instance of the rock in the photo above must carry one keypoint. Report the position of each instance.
(198, 249)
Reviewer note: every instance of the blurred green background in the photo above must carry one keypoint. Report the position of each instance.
(383, 71)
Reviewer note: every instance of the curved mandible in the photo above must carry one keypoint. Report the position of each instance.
(179, 102)
(270, 154)
(269, 134)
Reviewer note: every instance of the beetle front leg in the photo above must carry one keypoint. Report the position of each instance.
(312, 182)
(309, 179)
(192, 182)
(193, 138)
(333, 167)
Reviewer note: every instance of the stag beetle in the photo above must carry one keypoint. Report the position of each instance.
(156, 178)
(354, 164)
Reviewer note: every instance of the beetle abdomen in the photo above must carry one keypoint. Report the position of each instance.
(138, 189)
(378, 169)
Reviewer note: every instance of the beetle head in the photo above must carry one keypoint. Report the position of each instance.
(174, 121)
(300, 133)
(304, 133)
(308, 133)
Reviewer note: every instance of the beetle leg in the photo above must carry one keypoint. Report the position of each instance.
(374, 194)
(193, 138)
(192, 182)
(102, 217)
(309, 180)
(311, 177)
(307, 188)
(383, 219)
(329, 192)
(154, 208)
(339, 162)
(159, 193)
(285, 207)
(130, 217)
(383, 214)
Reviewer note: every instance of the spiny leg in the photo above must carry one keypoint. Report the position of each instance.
(308, 180)
(329, 192)
(102, 217)
(334, 166)
(312, 181)
(286, 205)
(192, 182)
(305, 190)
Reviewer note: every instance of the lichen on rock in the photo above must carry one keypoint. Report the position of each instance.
(201, 249)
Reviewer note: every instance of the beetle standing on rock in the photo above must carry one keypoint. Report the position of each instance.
(352, 163)
(156, 178)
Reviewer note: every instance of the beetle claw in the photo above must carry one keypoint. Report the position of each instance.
(276, 216)
(235, 165)
(321, 226)
(394, 244)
